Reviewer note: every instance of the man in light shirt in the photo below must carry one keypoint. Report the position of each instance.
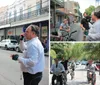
(94, 32)
(56, 69)
(32, 62)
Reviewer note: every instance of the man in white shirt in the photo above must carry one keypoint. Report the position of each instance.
(94, 32)
(32, 62)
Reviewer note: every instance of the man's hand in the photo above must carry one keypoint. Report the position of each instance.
(68, 30)
(15, 57)
(21, 36)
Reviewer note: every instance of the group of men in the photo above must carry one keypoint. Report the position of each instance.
(89, 24)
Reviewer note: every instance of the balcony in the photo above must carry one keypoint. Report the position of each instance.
(59, 3)
(27, 17)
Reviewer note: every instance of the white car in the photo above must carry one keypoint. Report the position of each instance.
(9, 44)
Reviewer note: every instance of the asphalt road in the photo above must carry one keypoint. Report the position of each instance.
(10, 70)
(80, 77)
(78, 36)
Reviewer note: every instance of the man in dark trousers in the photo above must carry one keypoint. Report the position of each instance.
(65, 64)
(32, 63)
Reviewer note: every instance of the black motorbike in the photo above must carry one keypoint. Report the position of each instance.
(91, 77)
(57, 82)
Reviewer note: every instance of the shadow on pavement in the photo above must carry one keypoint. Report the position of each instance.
(78, 83)
(80, 70)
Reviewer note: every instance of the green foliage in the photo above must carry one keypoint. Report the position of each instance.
(77, 51)
(93, 50)
(89, 10)
(53, 54)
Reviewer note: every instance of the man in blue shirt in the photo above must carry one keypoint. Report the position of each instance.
(32, 62)
(57, 69)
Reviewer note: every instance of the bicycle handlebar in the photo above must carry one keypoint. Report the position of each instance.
(73, 31)
(69, 33)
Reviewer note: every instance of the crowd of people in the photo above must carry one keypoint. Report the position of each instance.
(89, 25)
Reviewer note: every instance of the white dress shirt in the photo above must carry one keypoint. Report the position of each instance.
(94, 32)
(33, 56)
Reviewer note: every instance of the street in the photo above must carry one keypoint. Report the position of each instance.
(78, 36)
(10, 72)
(80, 77)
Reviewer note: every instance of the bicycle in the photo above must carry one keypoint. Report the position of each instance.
(64, 37)
(67, 36)
(71, 72)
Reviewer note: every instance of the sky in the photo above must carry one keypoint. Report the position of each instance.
(85, 4)
(6, 2)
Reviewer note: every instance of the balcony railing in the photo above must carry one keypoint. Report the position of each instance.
(59, 2)
(28, 15)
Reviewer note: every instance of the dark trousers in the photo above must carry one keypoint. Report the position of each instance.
(58, 78)
(32, 79)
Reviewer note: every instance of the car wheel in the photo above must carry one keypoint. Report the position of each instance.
(17, 49)
(14, 49)
(6, 47)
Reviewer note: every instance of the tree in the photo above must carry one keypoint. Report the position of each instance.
(92, 50)
(89, 10)
(76, 51)
(97, 8)
(67, 50)
(53, 54)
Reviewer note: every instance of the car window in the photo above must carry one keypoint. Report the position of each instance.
(3, 41)
(13, 41)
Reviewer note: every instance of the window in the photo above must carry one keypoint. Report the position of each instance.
(44, 31)
(29, 11)
(15, 15)
(21, 13)
(10, 14)
(10, 17)
(38, 8)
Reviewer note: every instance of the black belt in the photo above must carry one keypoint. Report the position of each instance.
(37, 74)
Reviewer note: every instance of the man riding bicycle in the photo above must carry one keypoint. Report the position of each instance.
(71, 69)
(57, 69)
(64, 28)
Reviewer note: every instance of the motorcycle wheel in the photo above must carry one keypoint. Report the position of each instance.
(93, 82)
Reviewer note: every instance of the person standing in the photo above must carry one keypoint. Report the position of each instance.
(65, 64)
(85, 25)
(94, 32)
(32, 62)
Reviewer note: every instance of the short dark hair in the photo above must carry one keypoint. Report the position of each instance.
(35, 29)
(97, 14)
(85, 13)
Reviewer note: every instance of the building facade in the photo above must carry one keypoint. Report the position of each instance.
(56, 14)
(22, 13)
(73, 10)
